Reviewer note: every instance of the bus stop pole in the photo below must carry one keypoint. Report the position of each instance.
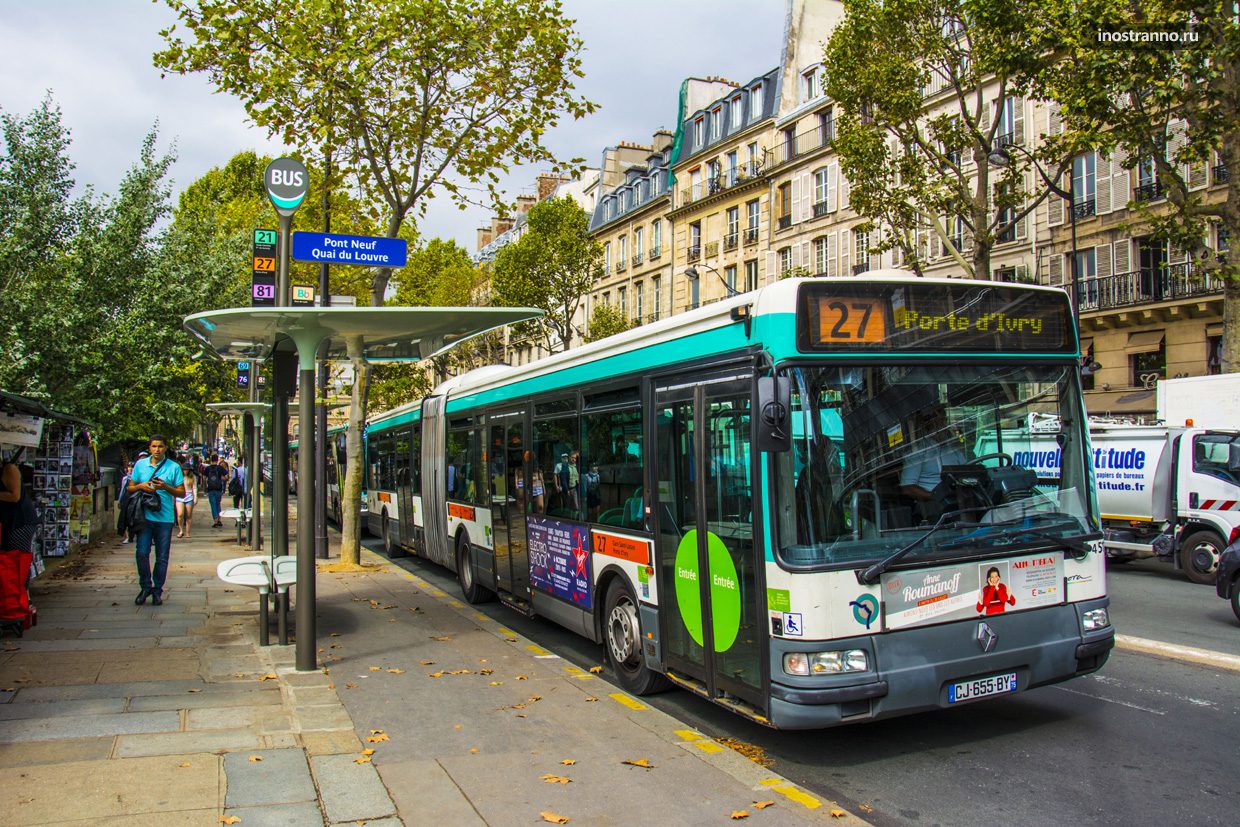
(306, 656)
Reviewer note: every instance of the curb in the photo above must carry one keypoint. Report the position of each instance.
(761, 780)
(1203, 657)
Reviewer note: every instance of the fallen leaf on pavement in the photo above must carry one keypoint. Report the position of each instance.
(334, 634)
(737, 815)
(269, 677)
(368, 751)
(590, 699)
(229, 820)
(838, 814)
(594, 670)
(184, 764)
(568, 762)
(441, 637)
(238, 674)
(350, 686)
(521, 715)
(435, 674)
(640, 762)
(511, 639)
(374, 668)
(553, 818)
(522, 678)
(762, 805)
(397, 671)
(195, 690)
(458, 672)
(496, 683)
(375, 739)
(865, 808)
(363, 759)
(427, 662)
(256, 758)
(534, 698)
(556, 779)
(486, 671)
(456, 726)
(376, 732)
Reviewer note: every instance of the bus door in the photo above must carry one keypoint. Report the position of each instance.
(506, 472)
(404, 491)
(710, 608)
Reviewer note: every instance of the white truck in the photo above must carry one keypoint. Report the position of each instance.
(1168, 492)
(1201, 401)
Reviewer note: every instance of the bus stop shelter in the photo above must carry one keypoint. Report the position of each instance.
(372, 334)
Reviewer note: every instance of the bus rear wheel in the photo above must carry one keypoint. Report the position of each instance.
(385, 531)
(1199, 556)
(473, 591)
(622, 634)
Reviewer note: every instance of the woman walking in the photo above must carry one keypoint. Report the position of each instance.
(122, 524)
(185, 505)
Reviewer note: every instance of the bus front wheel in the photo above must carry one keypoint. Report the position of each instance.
(473, 591)
(623, 636)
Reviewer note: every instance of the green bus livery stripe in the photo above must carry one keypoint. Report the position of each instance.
(378, 426)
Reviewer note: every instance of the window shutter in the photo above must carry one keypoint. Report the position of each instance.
(1055, 273)
(1054, 210)
(1102, 260)
(1102, 184)
(1197, 178)
(1120, 260)
(832, 269)
(795, 206)
(1121, 186)
(1054, 120)
(807, 252)
(846, 243)
(844, 187)
(833, 176)
(1018, 119)
(1022, 224)
(1175, 255)
(807, 196)
(1175, 142)
(772, 262)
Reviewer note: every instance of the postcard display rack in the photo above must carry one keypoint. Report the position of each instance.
(63, 506)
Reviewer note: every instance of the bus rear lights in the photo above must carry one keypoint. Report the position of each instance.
(826, 663)
(1095, 619)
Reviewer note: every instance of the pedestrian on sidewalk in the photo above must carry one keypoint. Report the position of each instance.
(236, 485)
(215, 477)
(185, 504)
(122, 522)
(156, 475)
(18, 518)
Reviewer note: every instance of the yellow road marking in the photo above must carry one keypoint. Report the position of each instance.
(579, 674)
(700, 741)
(792, 793)
(456, 604)
(508, 632)
(437, 593)
(481, 616)
(537, 650)
(625, 700)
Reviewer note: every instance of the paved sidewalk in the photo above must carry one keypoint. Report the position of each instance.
(174, 714)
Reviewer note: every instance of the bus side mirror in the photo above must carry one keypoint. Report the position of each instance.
(774, 414)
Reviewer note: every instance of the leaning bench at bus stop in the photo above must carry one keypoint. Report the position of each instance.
(241, 515)
(271, 576)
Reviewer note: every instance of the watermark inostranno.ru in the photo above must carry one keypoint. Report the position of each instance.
(1161, 37)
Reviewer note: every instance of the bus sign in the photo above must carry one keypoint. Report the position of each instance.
(263, 269)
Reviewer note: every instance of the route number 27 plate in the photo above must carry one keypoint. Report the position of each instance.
(981, 688)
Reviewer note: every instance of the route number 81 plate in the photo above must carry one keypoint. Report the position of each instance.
(981, 688)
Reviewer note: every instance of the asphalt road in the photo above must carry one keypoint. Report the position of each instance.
(1144, 741)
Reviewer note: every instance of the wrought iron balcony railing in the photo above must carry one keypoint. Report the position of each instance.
(785, 221)
(751, 235)
(694, 253)
(730, 241)
(1084, 208)
(1158, 284)
(1145, 193)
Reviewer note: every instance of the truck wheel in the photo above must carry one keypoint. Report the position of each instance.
(623, 635)
(1199, 555)
(473, 591)
(1235, 599)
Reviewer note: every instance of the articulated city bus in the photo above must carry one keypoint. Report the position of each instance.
(776, 501)
(335, 456)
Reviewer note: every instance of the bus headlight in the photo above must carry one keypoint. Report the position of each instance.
(1095, 619)
(826, 663)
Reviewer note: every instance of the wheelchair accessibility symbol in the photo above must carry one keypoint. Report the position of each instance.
(865, 609)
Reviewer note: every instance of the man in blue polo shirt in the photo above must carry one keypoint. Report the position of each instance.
(163, 477)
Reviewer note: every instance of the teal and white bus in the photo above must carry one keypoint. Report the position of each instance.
(775, 500)
(336, 457)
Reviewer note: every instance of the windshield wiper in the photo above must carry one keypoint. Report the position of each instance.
(1075, 543)
(869, 577)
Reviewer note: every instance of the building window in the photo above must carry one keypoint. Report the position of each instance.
(729, 276)
(751, 275)
(607, 257)
(639, 300)
(785, 260)
(609, 209)
(956, 233)
(695, 241)
(1083, 182)
(820, 255)
(622, 299)
(1214, 355)
(826, 125)
(783, 204)
(861, 247)
(695, 294)
(736, 109)
(695, 184)
(789, 143)
(656, 238)
(607, 299)
(755, 163)
(1148, 368)
(822, 192)
(656, 185)
(699, 133)
(809, 84)
(751, 219)
(755, 102)
(1087, 358)
(714, 177)
(732, 168)
(1007, 122)
(639, 246)
(716, 123)
(622, 252)
(1222, 241)
(734, 228)
(656, 296)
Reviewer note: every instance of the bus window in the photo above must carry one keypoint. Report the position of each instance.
(457, 464)
(612, 468)
(415, 462)
(556, 468)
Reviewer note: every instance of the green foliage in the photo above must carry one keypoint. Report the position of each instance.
(550, 267)
(915, 166)
(606, 321)
(421, 97)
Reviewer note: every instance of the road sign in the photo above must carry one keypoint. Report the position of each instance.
(287, 183)
(333, 248)
(263, 280)
(303, 295)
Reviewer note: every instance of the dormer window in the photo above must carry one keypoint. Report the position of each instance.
(716, 123)
(699, 132)
(736, 109)
(755, 102)
(810, 86)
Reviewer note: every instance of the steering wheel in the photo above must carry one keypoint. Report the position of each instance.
(1004, 459)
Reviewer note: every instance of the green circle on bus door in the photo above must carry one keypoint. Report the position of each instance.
(725, 593)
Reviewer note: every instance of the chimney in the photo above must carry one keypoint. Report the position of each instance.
(499, 226)
(663, 140)
(547, 184)
(484, 237)
(524, 202)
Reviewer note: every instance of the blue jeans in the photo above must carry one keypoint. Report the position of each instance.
(215, 497)
(161, 533)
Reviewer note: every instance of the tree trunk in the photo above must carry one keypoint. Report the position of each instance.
(351, 489)
(1230, 357)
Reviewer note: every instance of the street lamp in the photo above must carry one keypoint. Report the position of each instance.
(1001, 156)
(691, 272)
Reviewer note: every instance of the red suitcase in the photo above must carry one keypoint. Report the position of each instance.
(15, 610)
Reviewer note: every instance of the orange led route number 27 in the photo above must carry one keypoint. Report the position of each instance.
(851, 320)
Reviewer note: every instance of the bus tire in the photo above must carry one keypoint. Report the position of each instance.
(390, 548)
(622, 636)
(473, 591)
(1199, 556)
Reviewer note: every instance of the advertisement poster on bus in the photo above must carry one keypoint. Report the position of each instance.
(560, 559)
(972, 590)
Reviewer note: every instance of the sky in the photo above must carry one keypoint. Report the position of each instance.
(94, 58)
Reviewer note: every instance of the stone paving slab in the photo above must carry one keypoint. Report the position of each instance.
(43, 709)
(176, 743)
(204, 700)
(181, 818)
(262, 719)
(135, 689)
(109, 788)
(63, 751)
(88, 726)
(281, 815)
(350, 791)
(86, 645)
(425, 788)
(282, 777)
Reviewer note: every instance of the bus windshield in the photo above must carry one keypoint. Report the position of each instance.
(993, 455)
